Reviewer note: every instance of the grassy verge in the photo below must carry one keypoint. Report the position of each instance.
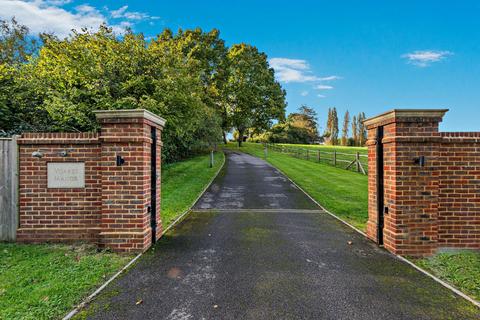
(340, 191)
(47, 281)
(183, 181)
(461, 269)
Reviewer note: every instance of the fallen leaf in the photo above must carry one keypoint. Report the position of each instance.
(139, 302)
(350, 242)
(215, 306)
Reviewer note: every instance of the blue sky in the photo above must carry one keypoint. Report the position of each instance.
(366, 56)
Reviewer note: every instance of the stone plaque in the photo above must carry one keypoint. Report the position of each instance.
(66, 174)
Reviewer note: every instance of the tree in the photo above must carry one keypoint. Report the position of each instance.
(254, 98)
(362, 131)
(18, 104)
(355, 130)
(346, 123)
(306, 119)
(328, 127)
(334, 127)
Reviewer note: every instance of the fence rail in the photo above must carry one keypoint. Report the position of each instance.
(350, 161)
(8, 189)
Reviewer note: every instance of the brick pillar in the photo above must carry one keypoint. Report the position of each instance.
(410, 189)
(126, 187)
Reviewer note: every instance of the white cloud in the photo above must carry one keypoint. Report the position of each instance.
(50, 16)
(426, 57)
(330, 78)
(321, 96)
(130, 15)
(323, 87)
(304, 93)
(292, 70)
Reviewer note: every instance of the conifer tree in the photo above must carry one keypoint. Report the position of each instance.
(355, 130)
(346, 123)
(334, 127)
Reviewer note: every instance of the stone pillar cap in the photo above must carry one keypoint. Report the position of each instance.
(398, 114)
(130, 113)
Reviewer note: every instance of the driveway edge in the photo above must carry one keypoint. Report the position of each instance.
(90, 298)
(399, 257)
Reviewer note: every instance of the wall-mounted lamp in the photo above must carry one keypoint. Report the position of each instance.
(420, 161)
(63, 153)
(37, 154)
(120, 161)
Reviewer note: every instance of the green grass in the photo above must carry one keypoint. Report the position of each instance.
(47, 281)
(342, 192)
(461, 269)
(183, 181)
(345, 155)
(351, 150)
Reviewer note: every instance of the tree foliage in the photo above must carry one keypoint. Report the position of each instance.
(190, 78)
(346, 123)
(254, 98)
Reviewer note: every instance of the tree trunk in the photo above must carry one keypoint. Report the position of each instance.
(240, 138)
(224, 137)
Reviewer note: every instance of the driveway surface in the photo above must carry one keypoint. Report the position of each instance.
(257, 248)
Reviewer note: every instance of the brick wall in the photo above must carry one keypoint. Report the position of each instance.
(113, 209)
(58, 214)
(430, 206)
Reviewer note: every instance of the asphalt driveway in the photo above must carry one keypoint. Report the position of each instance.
(257, 248)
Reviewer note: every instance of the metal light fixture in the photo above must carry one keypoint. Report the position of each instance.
(37, 154)
(420, 161)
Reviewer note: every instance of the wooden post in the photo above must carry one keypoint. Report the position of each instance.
(358, 161)
(265, 152)
(211, 159)
(334, 158)
(318, 155)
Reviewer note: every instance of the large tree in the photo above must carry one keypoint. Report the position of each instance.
(306, 119)
(254, 98)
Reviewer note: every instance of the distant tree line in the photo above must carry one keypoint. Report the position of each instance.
(358, 135)
(301, 127)
(201, 87)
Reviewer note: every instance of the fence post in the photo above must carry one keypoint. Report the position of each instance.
(265, 151)
(318, 155)
(334, 158)
(211, 159)
(358, 161)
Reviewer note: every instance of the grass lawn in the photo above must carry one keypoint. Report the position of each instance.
(343, 149)
(183, 181)
(461, 269)
(342, 192)
(344, 156)
(47, 281)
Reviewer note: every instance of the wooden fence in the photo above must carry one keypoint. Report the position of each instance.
(8, 189)
(349, 161)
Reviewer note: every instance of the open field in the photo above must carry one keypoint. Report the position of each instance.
(339, 156)
(341, 192)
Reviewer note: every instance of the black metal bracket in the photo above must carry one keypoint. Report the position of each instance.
(120, 161)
